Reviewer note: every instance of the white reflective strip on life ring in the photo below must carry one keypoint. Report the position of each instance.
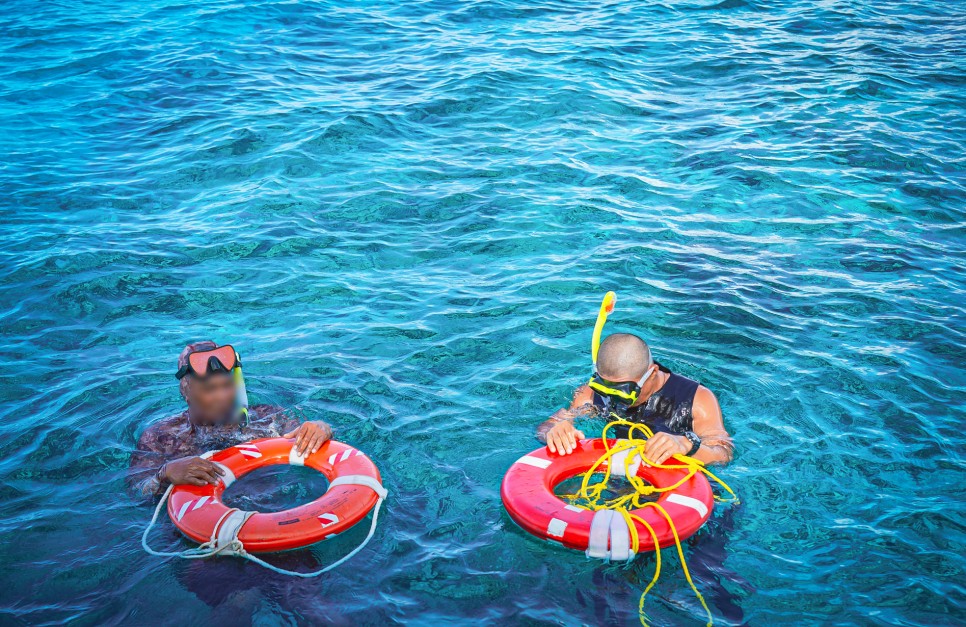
(529, 460)
(619, 460)
(229, 477)
(599, 533)
(328, 519)
(249, 450)
(688, 501)
(364, 480)
(183, 510)
(346, 454)
(574, 508)
(610, 537)
(294, 459)
(230, 527)
(620, 539)
(556, 528)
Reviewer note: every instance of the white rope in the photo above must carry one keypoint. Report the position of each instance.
(282, 571)
(235, 547)
(204, 550)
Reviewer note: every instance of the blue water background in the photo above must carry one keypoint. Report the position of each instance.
(404, 215)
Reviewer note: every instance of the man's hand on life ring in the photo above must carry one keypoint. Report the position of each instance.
(663, 445)
(562, 437)
(193, 471)
(310, 436)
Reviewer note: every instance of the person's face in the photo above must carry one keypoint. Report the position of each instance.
(212, 398)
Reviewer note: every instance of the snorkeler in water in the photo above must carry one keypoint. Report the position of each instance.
(217, 417)
(683, 414)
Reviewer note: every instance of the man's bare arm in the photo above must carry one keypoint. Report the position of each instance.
(716, 444)
(147, 459)
(581, 406)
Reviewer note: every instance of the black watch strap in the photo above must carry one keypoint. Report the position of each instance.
(695, 442)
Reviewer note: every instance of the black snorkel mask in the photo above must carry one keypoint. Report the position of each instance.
(623, 393)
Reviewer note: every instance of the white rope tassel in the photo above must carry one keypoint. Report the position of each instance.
(224, 537)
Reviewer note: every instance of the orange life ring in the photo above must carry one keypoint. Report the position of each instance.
(528, 495)
(354, 488)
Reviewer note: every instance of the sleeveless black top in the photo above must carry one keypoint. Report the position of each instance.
(668, 409)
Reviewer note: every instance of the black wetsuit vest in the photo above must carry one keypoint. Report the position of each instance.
(668, 409)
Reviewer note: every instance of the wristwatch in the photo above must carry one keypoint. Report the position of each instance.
(694, 440)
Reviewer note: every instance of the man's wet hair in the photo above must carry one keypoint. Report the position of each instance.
(623, 356)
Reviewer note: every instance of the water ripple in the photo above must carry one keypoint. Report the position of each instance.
(404, 215)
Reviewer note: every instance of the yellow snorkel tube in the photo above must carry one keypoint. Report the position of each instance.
(622, 391)
(606, 307)
(241, 394)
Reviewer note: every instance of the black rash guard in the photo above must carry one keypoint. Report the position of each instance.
(667, 410)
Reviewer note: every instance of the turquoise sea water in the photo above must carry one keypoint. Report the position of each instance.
(404, 215)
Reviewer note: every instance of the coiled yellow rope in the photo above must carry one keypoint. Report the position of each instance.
(590, 497)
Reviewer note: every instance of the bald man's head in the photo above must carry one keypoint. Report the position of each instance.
(623, 357)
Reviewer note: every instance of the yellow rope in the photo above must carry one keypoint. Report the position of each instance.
(590, 496)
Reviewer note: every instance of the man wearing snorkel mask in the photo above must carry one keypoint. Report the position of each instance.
(217, 417)
(683, 414)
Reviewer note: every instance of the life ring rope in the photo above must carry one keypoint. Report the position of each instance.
(627, 454)
(222, 543)
(631, 451)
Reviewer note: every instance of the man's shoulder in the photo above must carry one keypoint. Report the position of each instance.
(267, 411)
(582, 395)
(164, 425)
(267, 407)
(704, 391)
(156, 436)
(704, 399)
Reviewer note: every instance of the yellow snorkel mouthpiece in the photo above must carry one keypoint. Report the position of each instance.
(606, 307)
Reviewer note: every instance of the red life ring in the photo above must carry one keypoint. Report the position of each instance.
(528, 495)
(354, 488)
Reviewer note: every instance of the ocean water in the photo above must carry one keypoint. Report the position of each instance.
(404, 215)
